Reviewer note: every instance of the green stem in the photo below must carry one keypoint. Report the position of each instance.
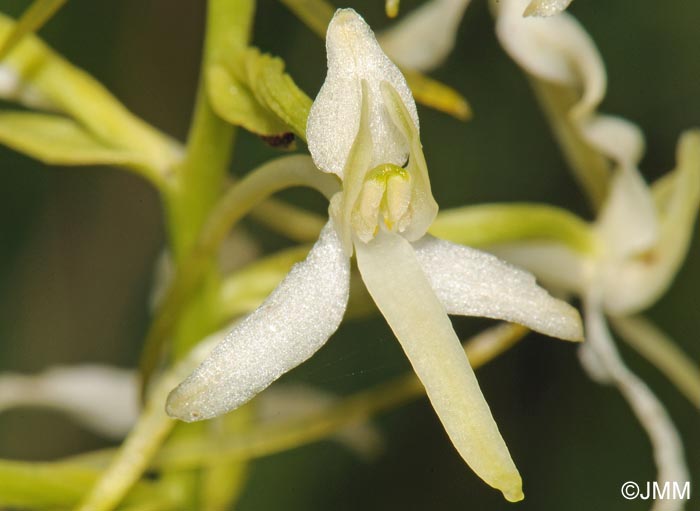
(294, 223)
(134, 455)
(191, 194)
(55, 485)
(489, 224)
(32, 19)
(201, 176)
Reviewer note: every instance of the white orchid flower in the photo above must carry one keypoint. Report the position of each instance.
(102, 398)
(363, 127)
(643, 232)
(424, 38)
(568, 75)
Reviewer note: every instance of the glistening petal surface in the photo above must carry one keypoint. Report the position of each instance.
(546, 7)
(353, 56)
(403, 294)
(473, 283)
(290, 326)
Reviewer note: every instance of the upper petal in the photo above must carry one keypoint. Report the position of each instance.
(473, 283)
(400, 289)
(354, 56)
(290, 326)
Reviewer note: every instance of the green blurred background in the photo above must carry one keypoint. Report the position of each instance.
(77, 247)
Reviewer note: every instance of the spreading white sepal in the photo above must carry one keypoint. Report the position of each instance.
(355, 56)
(473, 283)
(425, 37)
(665, 441)
(102, 398)
(290, 326)
(405, 297)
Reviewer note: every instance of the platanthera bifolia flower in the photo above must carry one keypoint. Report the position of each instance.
(644, 232)
(363, 127)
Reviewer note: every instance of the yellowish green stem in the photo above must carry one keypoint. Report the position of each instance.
(52, 485)
(294, 223)
(33, 18)
(135, 454)
(50, 81)
(490, 224)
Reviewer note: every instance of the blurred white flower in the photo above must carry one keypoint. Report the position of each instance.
(101, 398)
(424, 38)
(644, 232)
(363, 127)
